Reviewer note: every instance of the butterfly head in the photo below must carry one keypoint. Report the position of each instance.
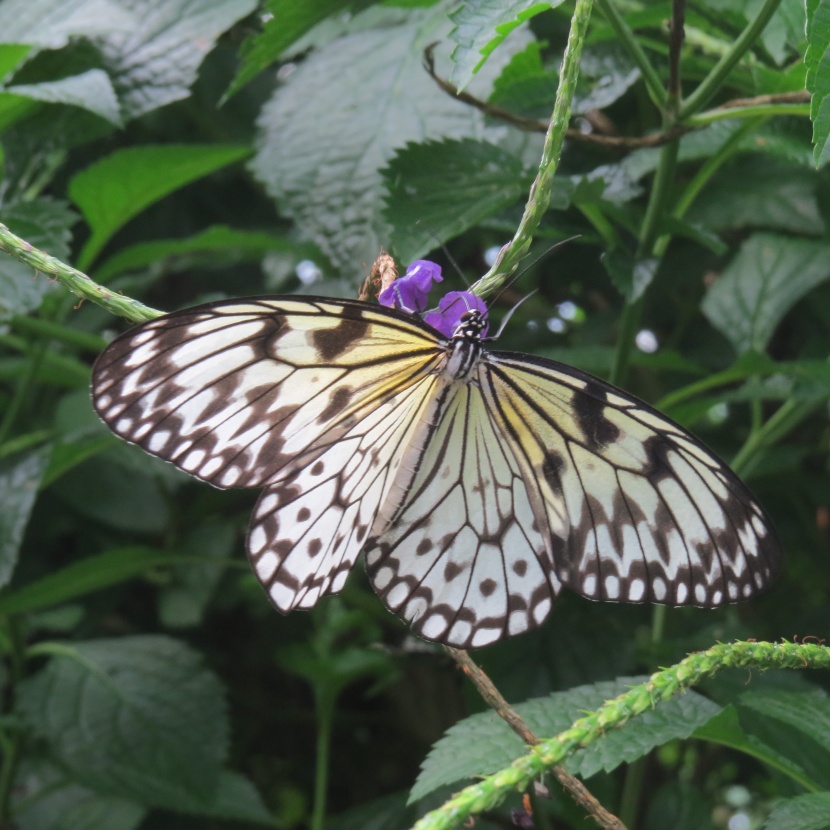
(472, 325)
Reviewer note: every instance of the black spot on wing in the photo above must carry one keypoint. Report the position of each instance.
(552, 467)
(333, 342)
(338, 401)
(589, 410)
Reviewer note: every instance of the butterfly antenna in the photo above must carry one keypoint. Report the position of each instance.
(530, 265)
(450, 258)
(509, 314)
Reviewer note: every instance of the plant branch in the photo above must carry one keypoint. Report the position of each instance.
(654, 85)
(785, 103)
(493, 698)
(491, 791)
(75, 281)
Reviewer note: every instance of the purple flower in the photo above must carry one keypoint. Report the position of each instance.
(409, 292)
(450, 309)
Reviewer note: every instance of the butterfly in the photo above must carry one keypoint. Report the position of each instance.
(477, 483)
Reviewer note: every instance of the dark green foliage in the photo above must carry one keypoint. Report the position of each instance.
(147, 681)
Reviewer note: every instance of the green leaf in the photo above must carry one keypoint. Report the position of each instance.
(761, 192)
(606, 73)
(44, 223)
(136, 717)
(287, 21)
(481, 26)
(183, 602)
(817, 59)
(50, 801)
(525, 87)
(52, 23)
(159, 61)
(725, 729)
(116, 495)
(113, 190)
(11, 56)
(19, 482)
(14, 109)
(631, 278)
(236, 798)
(83, 577)
(483, 743)
(90, 90)
(808, 712)
(437, 190)
(217, 244)
(804, 812)
(762, 283)
(327, 178)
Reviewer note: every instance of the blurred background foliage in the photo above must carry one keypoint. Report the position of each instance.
(184, 150)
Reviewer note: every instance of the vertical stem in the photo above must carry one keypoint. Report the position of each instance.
(709, 86)
(655, 212)
(11, 743)
(539, 198)
(325, 716)
(676, 34)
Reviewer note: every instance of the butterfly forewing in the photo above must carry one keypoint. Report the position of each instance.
(236, 392)
(636, 509)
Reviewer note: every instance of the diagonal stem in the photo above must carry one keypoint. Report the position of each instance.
(493, 697)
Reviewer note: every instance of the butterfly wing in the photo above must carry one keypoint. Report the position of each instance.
(633, 507)
(458, 553)
(311, 398)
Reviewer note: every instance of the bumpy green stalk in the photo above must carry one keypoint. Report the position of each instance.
(490, 791)
(539, 199)
(76, 281)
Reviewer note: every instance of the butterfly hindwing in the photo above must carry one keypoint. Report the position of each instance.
(461, 558)
(308, 528)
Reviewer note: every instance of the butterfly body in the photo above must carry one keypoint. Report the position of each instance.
(477, 483)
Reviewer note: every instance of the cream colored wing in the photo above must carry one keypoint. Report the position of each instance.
(632, 506)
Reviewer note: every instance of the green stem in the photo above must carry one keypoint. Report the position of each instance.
(632, 787)
(703, 119)
(788, 416)
(325, 718)
(491, 790)
(725, 152)
(655, 211)
(63, 334)
(539, 198)
(654, 85)
(72, 279)
(11, 749)
(709, 86)
(22, 390)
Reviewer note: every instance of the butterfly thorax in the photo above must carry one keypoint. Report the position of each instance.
(465, 346)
